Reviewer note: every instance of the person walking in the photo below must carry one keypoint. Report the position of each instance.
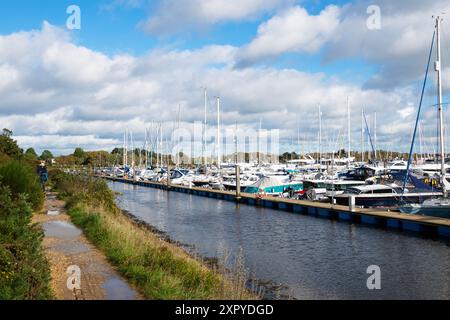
(43, 174)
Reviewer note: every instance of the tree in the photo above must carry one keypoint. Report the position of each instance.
(31, 153)
(46, 155)
(79, 153)
(8, 146)
(118, 151)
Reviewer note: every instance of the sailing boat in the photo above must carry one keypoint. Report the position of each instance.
(439, 207)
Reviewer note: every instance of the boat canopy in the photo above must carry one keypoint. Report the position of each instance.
(272, 184)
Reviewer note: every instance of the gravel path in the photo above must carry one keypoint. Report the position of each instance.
(79, 270)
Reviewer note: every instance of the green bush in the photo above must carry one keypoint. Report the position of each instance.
(24, 271)
(83, 189)
(22, 180)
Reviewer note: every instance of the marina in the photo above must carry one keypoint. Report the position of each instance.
(427, 225)
(225, 157)
(296, 256)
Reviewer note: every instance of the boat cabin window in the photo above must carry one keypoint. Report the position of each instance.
(383, 191)
(353, 191)
(176, 175)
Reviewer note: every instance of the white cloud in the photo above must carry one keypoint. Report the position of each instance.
(399, 49)
(293, 30)
(89, 99)
(175, 15)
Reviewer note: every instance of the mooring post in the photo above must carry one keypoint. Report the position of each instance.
(168, 177)
(351, 203)
(238, 183)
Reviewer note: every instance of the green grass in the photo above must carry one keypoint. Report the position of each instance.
(160, 270)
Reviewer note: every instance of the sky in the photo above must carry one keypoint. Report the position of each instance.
(134, 62)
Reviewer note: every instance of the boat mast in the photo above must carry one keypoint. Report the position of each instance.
(259, 141)
(362, 135)
(204, 131)
(177, 157)
(132, 151)
(219, 156)
(157, 145)
(320, 137)
(236, 141)
(349, 132)
(375, 136)
(151, 146)
(439, 95)
(161, 160)
(124, 147)
(438, 67)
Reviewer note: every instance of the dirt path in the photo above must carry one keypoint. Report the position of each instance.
(79, 270)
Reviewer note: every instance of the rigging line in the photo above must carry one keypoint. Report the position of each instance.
(418, 116)
(370, 137)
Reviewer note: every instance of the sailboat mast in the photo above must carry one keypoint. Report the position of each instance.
(259, 142)
(320, 136)
(362, 136)
(178, 127)
(236, 142)
(298, 136)
(348, 131)
(124, 147)
(439, 95)
(132, 150)
(204, 130)
(375, 135)
(219, 156)
(161, 142)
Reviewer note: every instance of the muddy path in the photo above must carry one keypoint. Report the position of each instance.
(79, 270)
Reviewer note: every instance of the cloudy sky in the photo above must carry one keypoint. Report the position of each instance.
(137, 61)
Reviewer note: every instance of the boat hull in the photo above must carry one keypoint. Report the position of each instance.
(383, 201)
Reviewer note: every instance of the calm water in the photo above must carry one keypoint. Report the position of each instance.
(315, 258)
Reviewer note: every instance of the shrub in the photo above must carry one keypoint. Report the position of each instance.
(24, 271)
(83, 189)
(22, 180)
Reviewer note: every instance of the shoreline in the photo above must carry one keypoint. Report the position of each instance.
(270, 289)
(160, 267)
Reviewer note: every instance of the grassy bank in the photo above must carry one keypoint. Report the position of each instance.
(24, 270)
(159, 269)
